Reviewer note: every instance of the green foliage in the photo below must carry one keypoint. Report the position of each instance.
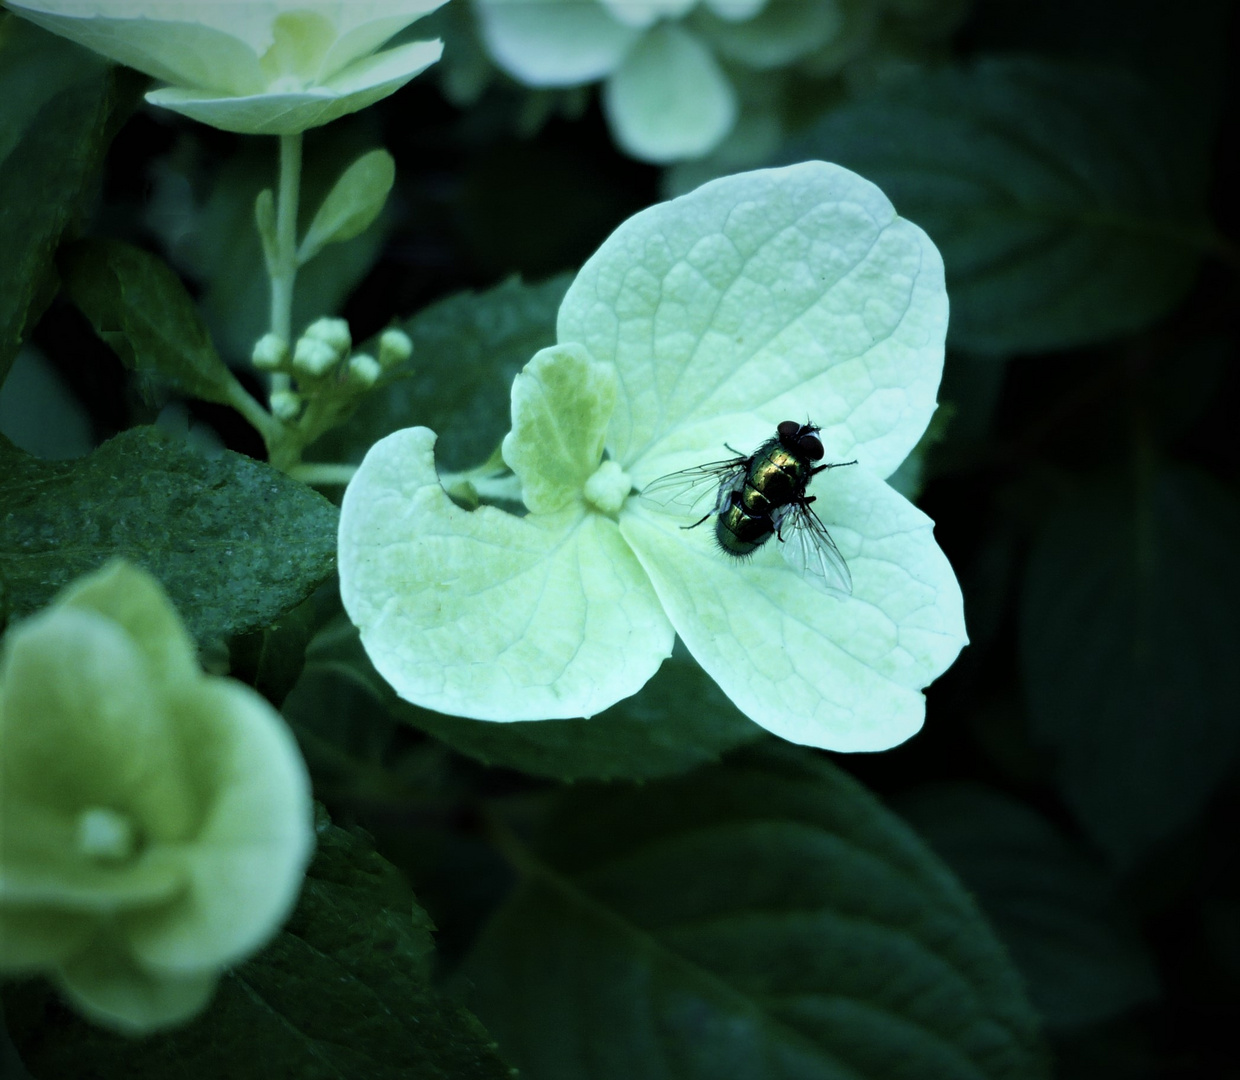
(466, 351)
(766, 918)
(1065, 206)
(677, 721)
(353, 203)
(1129, 642)
(343, 992)
(235, 543)
(1057, 912)
(54, 127)
(140, 307)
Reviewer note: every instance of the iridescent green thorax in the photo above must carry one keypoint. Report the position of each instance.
(774, 478)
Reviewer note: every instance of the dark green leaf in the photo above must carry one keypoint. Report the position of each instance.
(466, 351)
(139, 306)
(766, 918)
(53, 132)
(678, 721)
(1129, 644)
(1063, 204)
(1052, 906)
(343, 993)
(235, 542)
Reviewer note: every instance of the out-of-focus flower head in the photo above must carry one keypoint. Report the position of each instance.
(155, 822)
(269, 67)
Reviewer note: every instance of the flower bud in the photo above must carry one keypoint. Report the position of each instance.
(285, 404)
(364, 371)
(314, 358)
(333, 332)
(270, 352)
(395, 347)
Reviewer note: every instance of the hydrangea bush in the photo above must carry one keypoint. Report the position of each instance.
(361, 514)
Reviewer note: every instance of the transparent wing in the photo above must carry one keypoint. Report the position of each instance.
(689, 488)
(808, 548)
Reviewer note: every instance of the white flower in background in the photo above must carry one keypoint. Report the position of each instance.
(266, 67)
(794, 293)
(155, 822)
(677, 74)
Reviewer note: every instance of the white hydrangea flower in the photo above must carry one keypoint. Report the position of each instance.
(155, 821)
(267, 67)
(665, 95)
(678, 75)
(780, 294)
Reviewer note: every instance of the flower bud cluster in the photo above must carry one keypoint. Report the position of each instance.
(329, 376)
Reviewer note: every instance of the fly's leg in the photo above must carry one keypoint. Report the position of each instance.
(699, 521)
(831, 465)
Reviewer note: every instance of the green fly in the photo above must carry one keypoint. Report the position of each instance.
(763, 495)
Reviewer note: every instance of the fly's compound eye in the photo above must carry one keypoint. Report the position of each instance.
(811, 447)
(788, 429)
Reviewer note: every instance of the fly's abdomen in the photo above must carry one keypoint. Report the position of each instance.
(739, 532)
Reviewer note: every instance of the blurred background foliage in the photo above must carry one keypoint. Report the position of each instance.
(1076, 165)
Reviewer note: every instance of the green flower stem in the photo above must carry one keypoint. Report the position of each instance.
(322, 475)
(260, 419)
(284, 274)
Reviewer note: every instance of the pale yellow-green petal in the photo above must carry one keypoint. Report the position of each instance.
(554, 42)
(184, 52)
(484, 614)
(840, 672)
(669, 100)
(108, 986)
(34, 939)
(355, 88)
(561, 403)
(84, 725)
(134, 600)
(781, 294)
(244, 868)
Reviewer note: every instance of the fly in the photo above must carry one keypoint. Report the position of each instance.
(761, 496)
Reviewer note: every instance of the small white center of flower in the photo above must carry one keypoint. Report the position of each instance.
(105, 835)
(607, 489)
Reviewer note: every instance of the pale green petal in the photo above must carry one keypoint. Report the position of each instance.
(42, 864)
(737, 10)
(362, 27)
(106, 985)
(355, 88)
(134, 600)
(554, 42)
(643, 13)
(484, 614)
(844, 673)
(780, 294)
(82, 725)
(784, 32)
(245, 866)
(188, 53)
(229, 47)
(561, 402)
(34, 939)
(669, 100)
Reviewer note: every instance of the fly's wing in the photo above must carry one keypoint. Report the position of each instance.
(810, 551)
(688, 489)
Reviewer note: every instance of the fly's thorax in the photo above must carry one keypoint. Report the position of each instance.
(777, 475)
(739, 532)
